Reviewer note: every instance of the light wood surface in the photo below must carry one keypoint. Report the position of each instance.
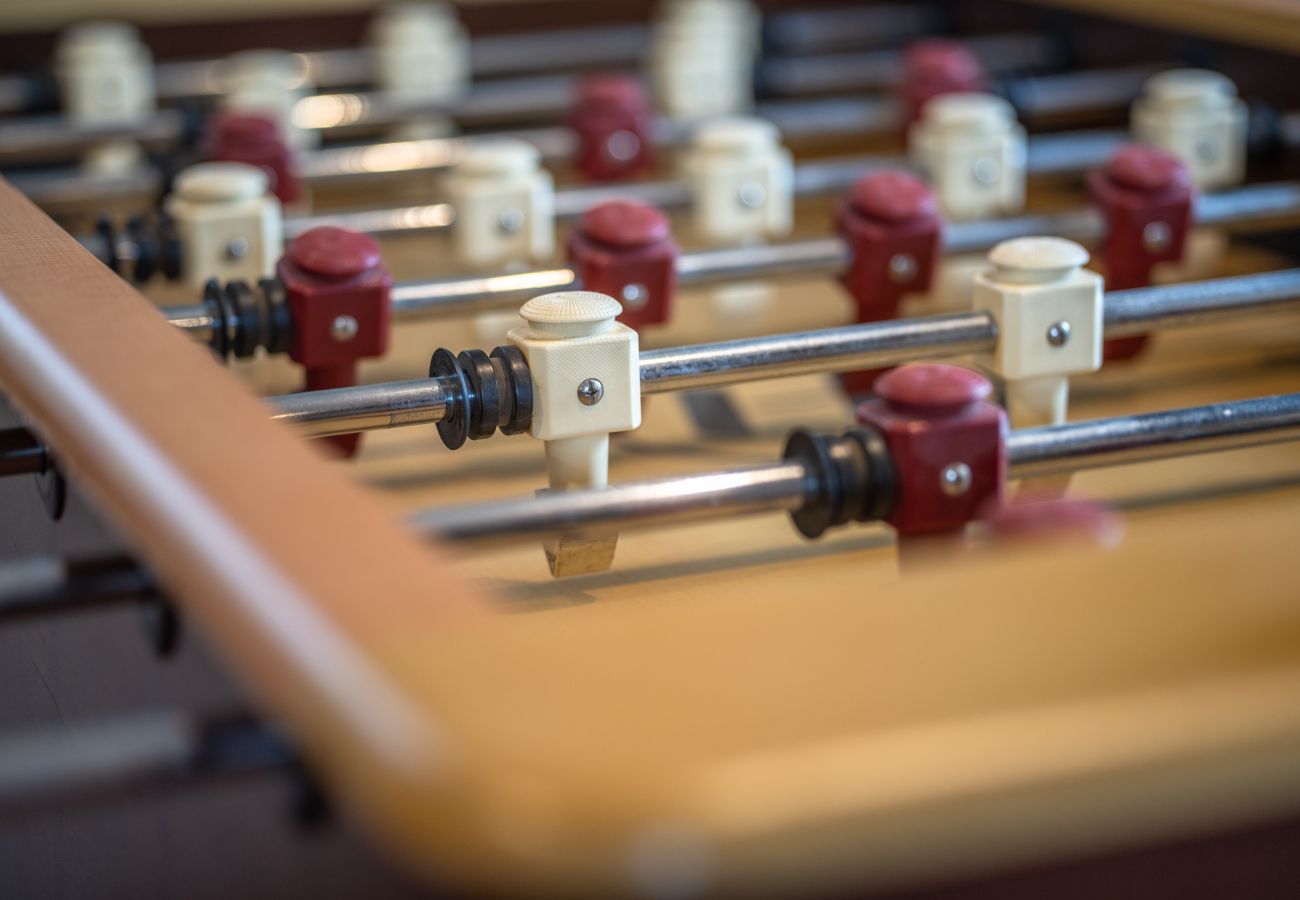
(730, 706)
(1274, 24)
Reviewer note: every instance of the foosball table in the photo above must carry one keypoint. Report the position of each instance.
(347, 550)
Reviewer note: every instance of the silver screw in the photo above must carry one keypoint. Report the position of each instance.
(1156, 236)
(955, 479)
(986, 171)
(590, 392)
(902, 268)
(1207, 149)
(344, 328)
(751, 195)
(622, 146)
(510, 220)
(236, 248)
(635, 296)
(1058, 333)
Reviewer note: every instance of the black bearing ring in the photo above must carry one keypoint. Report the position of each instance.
(454, 428)
(520, 377)
(482, 379)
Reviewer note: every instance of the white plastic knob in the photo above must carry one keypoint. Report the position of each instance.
(1196, 115)
(973, 150)
(277, 84)
(228, 222)
(741, 180)
(1048, 311)
(105, 73)
(505, 205)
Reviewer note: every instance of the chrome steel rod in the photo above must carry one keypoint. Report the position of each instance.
(848, 347)
(21, 453)
(598, 46)
(40, 586)
(1100, 443)
(1139, 310)
(1048, 154)
(789, 486)
(461, 296)
(869, 346)
(645, 504)
(367, 407)
(114, 759)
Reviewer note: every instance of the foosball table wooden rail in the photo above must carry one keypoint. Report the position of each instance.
(961, 721)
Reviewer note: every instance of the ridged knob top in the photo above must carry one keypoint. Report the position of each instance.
(334, 252)
(625, 223)
(932, 388)
(104, 40)
(1145, 168)
(1037, 259)
(894, 196)
(612, 92)
(970, 112)
(942, 61)
(501, 157)
(1190, 87)
(739, 135)
(221, 182)
(570, 308)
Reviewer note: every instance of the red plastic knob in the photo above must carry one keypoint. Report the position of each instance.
(892, 227)
(256, 141)
(932, 390)
(625, 249)
(1146, 196)
(946, 442)
(625, 224)
(338, 292)
(614, 125)
(938, 66)
(336, 253)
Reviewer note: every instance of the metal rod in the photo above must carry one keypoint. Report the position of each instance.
(599, 46)
(644, 504)
(366, 407)
(869, 346)
(21, 453)
(39, 586)
(451, 297)
(1169, 306)
(848, 347)
(1060, 449)
(118, 758)
(789, 486)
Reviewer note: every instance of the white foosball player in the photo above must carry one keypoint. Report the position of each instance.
(505, 205)
(702, 60)
(741, 180)
(105, 76)
(1196, 115)
(1048, 311)
(274, 83)
(505, 215)
(586, 385)
(228, 222)
(973, 151)
(420, 54)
